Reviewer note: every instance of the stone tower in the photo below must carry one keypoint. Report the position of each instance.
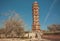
(35, 15)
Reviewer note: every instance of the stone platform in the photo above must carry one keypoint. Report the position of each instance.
(18, 39)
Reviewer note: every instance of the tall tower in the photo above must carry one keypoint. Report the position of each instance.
(35, 15)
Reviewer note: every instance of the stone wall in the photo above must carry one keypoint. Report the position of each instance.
(51, 37)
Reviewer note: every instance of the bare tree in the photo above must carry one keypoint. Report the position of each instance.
(14, 26)
(54, 27)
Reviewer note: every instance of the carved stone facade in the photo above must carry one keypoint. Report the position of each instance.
(35, 13)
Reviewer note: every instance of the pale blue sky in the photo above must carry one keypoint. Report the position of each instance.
(49, 11)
